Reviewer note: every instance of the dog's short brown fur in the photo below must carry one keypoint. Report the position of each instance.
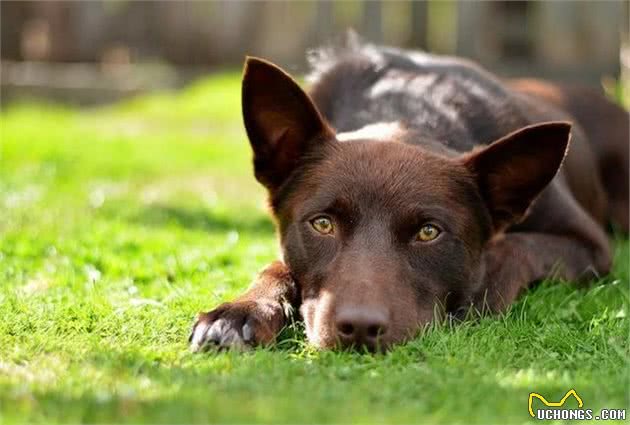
(406, 185)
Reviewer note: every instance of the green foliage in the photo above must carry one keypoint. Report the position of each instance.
(118, 224)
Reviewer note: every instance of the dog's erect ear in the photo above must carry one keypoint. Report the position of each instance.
(512, 171)
(281, 120)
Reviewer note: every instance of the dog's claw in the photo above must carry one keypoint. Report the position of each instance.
(213, 334)
(197, 336)
(231, 326)
(248, 332)
(220, 334)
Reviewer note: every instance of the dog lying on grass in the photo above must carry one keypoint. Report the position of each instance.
(405, 182)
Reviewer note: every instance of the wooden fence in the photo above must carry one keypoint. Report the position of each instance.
(555, 39)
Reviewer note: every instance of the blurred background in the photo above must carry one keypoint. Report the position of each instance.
(98, 51)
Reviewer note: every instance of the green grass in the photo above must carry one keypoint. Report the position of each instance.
(118, 224)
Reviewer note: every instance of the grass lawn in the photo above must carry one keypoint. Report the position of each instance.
(118, 224)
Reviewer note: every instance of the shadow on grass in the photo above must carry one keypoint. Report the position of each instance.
(192, 390)
(197, 389)
(202, 219)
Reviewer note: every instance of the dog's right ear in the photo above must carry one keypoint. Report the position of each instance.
(281, 120)
(512, 171)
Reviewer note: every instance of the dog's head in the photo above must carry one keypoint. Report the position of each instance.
(380, 234)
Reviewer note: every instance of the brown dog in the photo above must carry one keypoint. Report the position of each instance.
(407, 183)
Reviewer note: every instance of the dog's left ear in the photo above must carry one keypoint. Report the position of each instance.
(512, 171)
(281, 120)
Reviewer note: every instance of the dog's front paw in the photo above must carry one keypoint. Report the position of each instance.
(240, 325)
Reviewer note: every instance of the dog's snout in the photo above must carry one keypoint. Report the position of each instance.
(361, 326)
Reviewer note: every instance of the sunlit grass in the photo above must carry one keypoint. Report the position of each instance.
(118, 224)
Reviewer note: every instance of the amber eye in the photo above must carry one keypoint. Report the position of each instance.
(427, 233)
(323, 225)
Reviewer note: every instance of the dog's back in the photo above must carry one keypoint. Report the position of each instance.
(445, 99)
(607, 127)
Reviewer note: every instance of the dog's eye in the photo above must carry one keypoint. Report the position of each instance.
(427, 233)
(323, 225)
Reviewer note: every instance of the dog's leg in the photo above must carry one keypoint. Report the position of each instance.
(557, 239)
(254, 318)
(515, 260)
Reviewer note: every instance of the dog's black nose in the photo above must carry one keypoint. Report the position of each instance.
(361, 327)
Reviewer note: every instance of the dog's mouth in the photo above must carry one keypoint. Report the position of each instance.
(365, 347)
(372, 345)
